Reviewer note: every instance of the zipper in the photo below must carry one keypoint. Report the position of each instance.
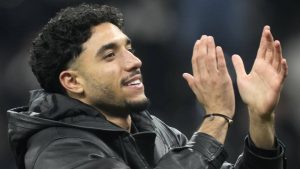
(132, 141)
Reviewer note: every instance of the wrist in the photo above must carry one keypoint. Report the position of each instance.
(261, 116)
(226, 112)
(216, 127)
(255, 118)
(211, 117)
(262, 130)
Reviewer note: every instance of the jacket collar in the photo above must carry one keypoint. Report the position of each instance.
(65, 110)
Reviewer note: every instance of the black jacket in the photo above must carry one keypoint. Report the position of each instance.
(57, 132)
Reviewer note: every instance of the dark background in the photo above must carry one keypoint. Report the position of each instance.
(163, 33)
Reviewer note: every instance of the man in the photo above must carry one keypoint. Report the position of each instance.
(92, 112)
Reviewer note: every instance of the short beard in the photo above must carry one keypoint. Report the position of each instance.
(124, 110)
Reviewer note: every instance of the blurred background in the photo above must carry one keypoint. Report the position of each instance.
(163, 34)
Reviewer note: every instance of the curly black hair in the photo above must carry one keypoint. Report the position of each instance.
(61, 39)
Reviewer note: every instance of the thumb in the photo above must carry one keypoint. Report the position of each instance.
(238, 65)
(190, 80)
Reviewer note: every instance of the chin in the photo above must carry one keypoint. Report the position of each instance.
(138, 105)
(124, 109)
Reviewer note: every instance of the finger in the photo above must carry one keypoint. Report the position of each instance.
(270, 47)
(221, 63)
(269, 55)
(266, 42)
(190, 80)
(284, 69)
(238, 66)
(202, 54)
(195, 56)
(262, 48)
(277, 56)
(211, 60)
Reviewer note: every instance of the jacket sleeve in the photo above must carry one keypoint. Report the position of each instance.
(204, 151)
(201, 151)
(252, 159)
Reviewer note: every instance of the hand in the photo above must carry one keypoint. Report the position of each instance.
(260, 89)
(210, 81)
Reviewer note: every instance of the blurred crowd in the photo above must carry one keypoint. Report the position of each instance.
(163, 34)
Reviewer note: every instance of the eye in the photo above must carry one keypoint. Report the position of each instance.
(109, 55)
(131, 50)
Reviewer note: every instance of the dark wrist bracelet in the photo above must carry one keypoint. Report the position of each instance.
(228, 119)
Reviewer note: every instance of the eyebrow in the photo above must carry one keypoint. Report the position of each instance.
(112, 45)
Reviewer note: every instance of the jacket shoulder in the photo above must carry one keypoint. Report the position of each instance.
(61, 146)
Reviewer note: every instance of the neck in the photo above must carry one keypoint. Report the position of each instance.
(123, 122)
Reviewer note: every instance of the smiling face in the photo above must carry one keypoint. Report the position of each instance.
(107, 74)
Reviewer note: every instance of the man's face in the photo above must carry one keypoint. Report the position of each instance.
(110, 73)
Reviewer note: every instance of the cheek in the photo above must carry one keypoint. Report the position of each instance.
(106, 75)
(110, 78)
(113, 70)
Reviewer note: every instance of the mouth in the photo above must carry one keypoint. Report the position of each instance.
(134, 81)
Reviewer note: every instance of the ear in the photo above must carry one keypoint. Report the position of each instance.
(70, 81)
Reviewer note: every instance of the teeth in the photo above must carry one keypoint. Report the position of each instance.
(135, 82)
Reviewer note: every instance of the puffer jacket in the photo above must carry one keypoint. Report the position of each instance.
(58, 132)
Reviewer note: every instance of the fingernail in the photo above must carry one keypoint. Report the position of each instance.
(268, 27)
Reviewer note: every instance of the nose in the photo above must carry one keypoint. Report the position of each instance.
(131, 62)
